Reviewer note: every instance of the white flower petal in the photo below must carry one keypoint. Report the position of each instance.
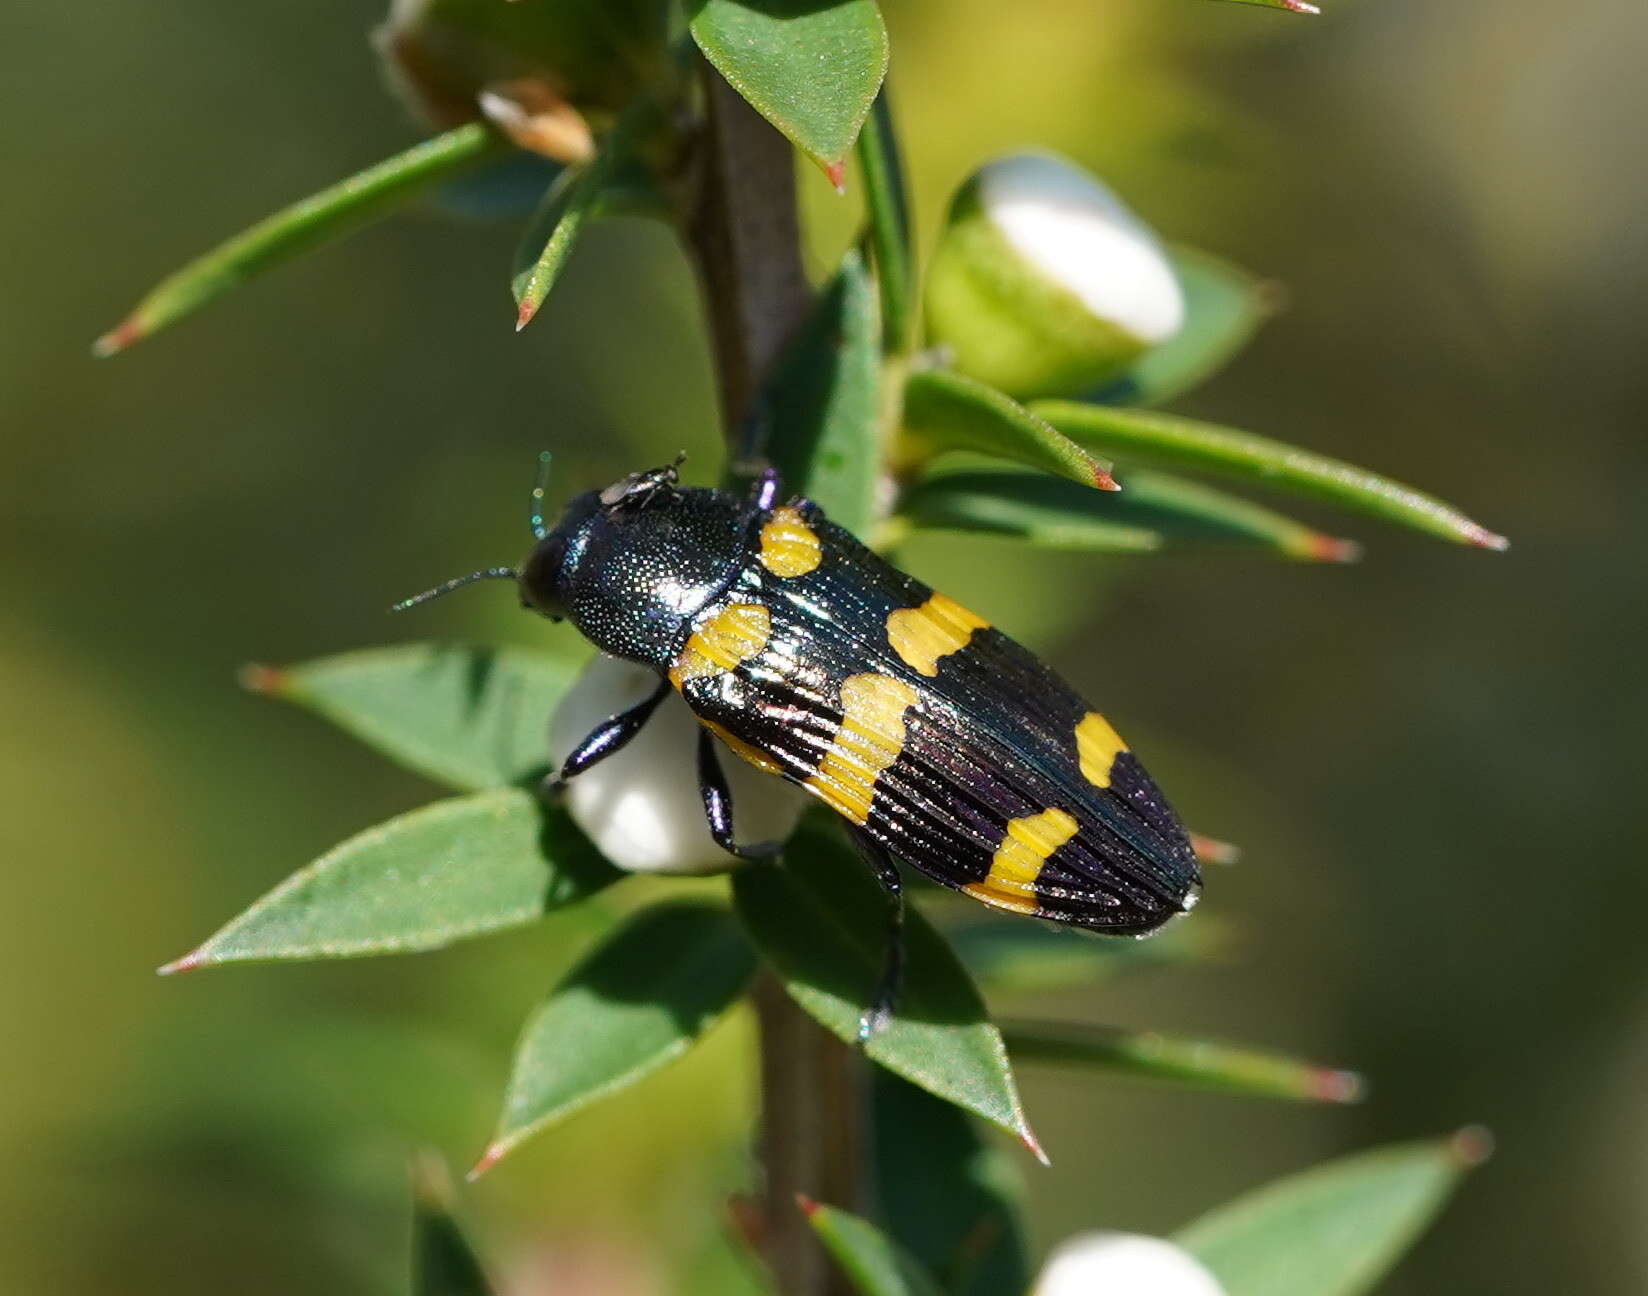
(641, 806)
(1123, 1264)
(1080, 235)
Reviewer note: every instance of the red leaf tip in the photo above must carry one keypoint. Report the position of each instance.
(188, 963)
(836, 174)
(493, 1154)
(1483, 538)
(117, 339)
(1102, 479)
(808, 1206)
(1299, 6)
(1333, 549)
(1210, 850)
(1327, 1085)
(258, 678)
(1027, 1136)
(1472, 1145)
(524, 316)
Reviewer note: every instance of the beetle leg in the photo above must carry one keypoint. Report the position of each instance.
(712, 786)
(764, 489)
(892, 967)
(610, 736)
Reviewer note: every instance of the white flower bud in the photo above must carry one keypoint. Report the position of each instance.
(1123, 1264)
(1044, 283)
(641, 806)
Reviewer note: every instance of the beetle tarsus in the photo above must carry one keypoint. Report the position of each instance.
(885, 996)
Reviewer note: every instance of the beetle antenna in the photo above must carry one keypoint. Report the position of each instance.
(457, 582)
(536, 514)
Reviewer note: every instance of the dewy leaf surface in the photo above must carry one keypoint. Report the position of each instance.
(823, 401)
(641, 999)
(420, 881)
(820, 919)
(1338, 1229)
(810, 67)
(466, 716)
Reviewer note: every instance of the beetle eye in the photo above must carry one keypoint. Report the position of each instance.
(541, 578)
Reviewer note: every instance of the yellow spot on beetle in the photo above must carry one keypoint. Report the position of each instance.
(789, 547)
(1025, 847)
(723, 640)
(869, 740)
(1097, 746)
(939, 627)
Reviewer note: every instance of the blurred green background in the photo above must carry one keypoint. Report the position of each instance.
(1427, 758)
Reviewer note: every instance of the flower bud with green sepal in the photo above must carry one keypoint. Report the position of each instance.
(1044, 282)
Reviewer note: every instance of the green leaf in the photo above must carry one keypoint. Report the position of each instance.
(420, 881)
(443, 1262)
(1198, 1063)
(1292, 6)
(949, 1196)
(1022, 506)
(945, 411)
(466, 716)
(820, 919)
(1335, 1230)
(888, 210)
(1224, 307)
(641, 999)
(810, 67)
(319, 218)
(872, 1261)
(1152, 511)
(1165, 440)
(580, 195)
(823, 401)
(1015, 957)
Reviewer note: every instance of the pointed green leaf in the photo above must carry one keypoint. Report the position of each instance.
(810, 67)
(1292, 6)
(1199, 1064)
(1152, 511)
(1224, 307)
(443, 1262)
(466, 716)
(872, 1261)
(951, 1197)
(578, 196)
(1022, 506)
(945, 411)
(641, 999)
(1014, 957)
(1335, 1230)
(1165, 440)
(820, 919)
(823, 401)
(323, 216)
(420, 881)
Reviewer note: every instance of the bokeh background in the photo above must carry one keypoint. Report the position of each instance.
(1432, 759)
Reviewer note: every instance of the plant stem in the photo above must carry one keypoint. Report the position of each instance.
(745, 240)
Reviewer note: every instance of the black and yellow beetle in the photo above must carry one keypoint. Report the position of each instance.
(939, 740)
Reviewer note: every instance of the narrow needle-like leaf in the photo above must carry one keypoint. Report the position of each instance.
(1292, 6)
(1165, 440)
(1200, 1064)
(889, 219)
(944, 410)
(317, 219)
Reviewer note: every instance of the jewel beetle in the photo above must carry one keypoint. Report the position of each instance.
(938, 740)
